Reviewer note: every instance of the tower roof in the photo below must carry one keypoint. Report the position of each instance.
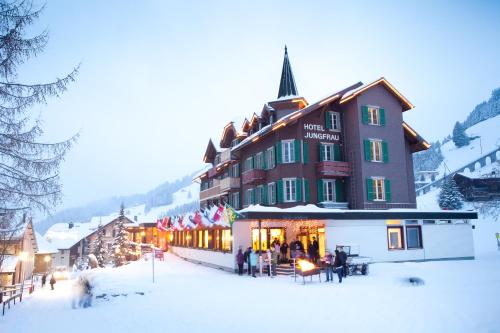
(287, 82)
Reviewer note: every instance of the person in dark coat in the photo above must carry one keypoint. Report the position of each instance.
(315, 250)
(337, 265)
(284, 250)
(240, 260)
(44, 279)
(343, 257)
(246, 257)
(52, 281)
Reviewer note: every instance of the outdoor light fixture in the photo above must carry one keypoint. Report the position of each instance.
(46, 258)
(23, 256)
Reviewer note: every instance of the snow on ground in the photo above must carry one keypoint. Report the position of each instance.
(458, 296)
(489, 139)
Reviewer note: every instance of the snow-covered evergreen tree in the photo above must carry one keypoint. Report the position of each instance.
(449, 197)
(99, 248)
(119, 249)
(460, 138)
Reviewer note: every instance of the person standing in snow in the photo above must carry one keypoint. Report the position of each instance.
(329, 266)
(240, 260)
(277, 247)
(274, 261)
(315, 250)
(246, 257)
(252, 259)
(268, 261)
(337, 265)
(44, 279)
(52, 281)
(343, 258)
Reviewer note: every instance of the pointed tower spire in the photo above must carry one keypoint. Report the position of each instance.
(287, 83)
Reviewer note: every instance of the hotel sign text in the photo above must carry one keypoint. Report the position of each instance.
(314, 131)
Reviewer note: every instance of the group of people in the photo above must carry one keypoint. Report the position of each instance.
(52, 280)
(336, 264)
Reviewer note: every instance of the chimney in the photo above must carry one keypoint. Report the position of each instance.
(70, 225)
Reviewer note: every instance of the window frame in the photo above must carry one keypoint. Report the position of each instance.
(259, 161)
(235, 168)
(335, 115)
(259, 190)
(328, 149)
(401, 240)
(376, 145)
(291, 145)
(419, 233)
(248, 163)
(271, 158)
(373, 120)
(293, 190)
(271, 193)
(325, 190)
(235, 195)
(375, 188)
(248, 197)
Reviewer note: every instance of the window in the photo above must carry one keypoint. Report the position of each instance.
(333, 123)
(259, 161)
(249, 163)
(288, 151)
(327, 151)
(259, 195)
(413, 237)
(235, 170)
(235, 142)
(290, 192)
(271, 159)
(378, 189)
(373, 116)
(271, 193)
(376, 150)
(395, 238)
(328, 190)
(248, 199)
(235, 199)
(227, 240)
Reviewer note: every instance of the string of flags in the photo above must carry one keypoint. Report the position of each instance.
(217, 215)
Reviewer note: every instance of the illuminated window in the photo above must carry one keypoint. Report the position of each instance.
(395, 238)
(200, 239)
(376, 150)
(288, 151)
(373, 116)
(413, 237)
(205, 239)
(227, 240)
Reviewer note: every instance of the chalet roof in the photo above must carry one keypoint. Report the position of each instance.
(225, 141)
(287, 88)
(414, 138)
(210, 152)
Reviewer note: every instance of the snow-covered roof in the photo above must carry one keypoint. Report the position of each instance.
(43, 245)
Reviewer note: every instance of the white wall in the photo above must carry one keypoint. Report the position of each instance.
(439, 241)
(61, 258)
(214, 258)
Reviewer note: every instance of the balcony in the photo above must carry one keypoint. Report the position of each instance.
(333, 169)
(211, 192)
(225, 156)
(253, 177)
(229, 183)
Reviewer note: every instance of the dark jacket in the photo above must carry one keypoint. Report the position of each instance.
(315, 246)
(343, 257)
(240, 258)
(52, 280)
(299, 246)
(246, 255)
(284, 247)
(337, 262)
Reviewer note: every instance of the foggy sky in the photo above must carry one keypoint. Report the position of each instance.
(158, 78)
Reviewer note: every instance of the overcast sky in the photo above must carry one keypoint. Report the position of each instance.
(158, 78)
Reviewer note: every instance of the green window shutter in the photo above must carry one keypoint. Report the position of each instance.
(278, 153)
(253, 162)
(320, 190)
(230, 171)
(369, 189)
(237, 170)
(339, 191)
(336, 152)
(265, 199)
(306, 190)
(368, 151)
(387, 185)
(382, 116)
(321, 153)
(297, 150)
(385, 152)
(364, 114)
(264, 160)
(298, 189)
(328, 120)
(252, 196)
(279, 192)
(305, 152)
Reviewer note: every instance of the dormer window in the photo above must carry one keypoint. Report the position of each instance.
(235, 142)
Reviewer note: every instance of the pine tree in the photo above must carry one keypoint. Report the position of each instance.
(460, 138)
(449, 197)
(99, 248)
(119, 249)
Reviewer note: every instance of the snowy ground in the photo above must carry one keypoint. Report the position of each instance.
(458, 296)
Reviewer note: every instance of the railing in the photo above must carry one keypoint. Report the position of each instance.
(212, 191)
(388, 205)
(225, 156)
(333, 169)
(255, 176)
(229, 183)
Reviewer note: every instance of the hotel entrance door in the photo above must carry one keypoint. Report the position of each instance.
(306, 235)
(267, 236)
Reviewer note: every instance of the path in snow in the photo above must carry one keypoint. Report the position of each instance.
(458, 296)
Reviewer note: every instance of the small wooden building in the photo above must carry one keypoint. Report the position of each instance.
(478, 189)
